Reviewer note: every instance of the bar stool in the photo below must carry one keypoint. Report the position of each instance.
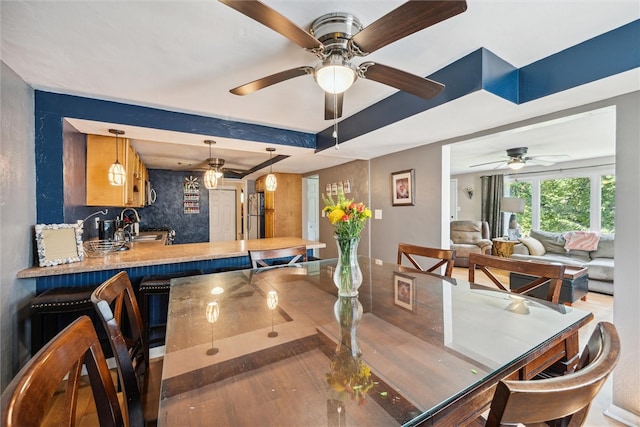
(157, 285)
(66, 304)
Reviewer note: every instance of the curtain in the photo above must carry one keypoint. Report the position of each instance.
(492, 192)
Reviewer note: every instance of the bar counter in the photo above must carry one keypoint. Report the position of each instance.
(143, 254)
(151, 258)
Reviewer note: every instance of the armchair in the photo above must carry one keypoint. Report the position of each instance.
(469, 237)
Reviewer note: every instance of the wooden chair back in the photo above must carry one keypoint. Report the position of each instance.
(444, 256)
(27, 399)
(118, 310)
(262, 258)
(563, 400)
(541, 272)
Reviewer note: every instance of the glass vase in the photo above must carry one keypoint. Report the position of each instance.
(348, 312)
(348, 276)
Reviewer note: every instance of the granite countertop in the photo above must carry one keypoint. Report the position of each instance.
(152, 253)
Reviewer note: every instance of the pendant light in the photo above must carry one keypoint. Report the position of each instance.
(211, 175)
(271, 182)
(117, 174)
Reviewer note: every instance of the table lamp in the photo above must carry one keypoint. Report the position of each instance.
(513, 205)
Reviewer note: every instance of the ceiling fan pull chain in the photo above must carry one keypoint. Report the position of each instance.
(335, 120)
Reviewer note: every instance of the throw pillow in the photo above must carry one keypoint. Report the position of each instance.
(552, 242)
(535, 247)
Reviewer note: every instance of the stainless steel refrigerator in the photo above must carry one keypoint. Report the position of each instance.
(255, 204)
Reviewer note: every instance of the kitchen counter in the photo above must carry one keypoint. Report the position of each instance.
(144, 254)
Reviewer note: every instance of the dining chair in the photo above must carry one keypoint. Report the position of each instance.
(559, 401)
(271, 257)
(444, 256)
(118, 310)
(541, 273)
(27, 399)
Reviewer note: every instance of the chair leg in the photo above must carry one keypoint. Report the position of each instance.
(36, 332)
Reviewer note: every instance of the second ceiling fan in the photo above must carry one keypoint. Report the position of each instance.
(336, 38)
(517, 158)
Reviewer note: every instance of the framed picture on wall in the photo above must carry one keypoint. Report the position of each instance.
(402, 188)
(404, 291)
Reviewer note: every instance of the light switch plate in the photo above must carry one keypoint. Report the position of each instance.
(377, 214)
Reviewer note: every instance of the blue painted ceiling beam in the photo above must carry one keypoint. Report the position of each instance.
(602, 56)
(605, 55)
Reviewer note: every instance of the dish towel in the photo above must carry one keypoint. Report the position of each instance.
(581, 240)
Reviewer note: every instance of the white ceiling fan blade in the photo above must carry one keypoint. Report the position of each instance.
(540, 162)
(488, 163)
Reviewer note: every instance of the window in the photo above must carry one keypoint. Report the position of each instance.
(566, 203)
(608, 204)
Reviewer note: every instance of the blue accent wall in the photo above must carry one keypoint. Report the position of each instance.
(168, 210)
(52, 108)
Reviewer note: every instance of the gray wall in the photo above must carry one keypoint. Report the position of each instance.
(357, 172)
(419, 224)
(17, 217)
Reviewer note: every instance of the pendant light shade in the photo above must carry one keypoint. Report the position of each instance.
(271, 183)
(210, 179)
(211, 175)
(117, 174)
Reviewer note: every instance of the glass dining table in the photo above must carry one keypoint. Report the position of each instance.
(278, 347)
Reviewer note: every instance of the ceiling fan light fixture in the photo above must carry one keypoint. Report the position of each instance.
(117, 175)
(335, 75)
(271, 182)
(516, 164)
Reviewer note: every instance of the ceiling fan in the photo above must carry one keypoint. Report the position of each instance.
(517, 157)
(215, 163)
(336, 38)
(212, 162)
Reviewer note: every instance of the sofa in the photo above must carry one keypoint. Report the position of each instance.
(467, 236)
(550, 247)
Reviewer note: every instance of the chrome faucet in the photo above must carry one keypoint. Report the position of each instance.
(135, 226)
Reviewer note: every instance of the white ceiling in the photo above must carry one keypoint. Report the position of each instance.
(186, 55)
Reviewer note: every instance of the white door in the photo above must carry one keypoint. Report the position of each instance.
(453, 199)
(222, 215)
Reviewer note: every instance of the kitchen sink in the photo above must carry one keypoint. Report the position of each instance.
(147, 237)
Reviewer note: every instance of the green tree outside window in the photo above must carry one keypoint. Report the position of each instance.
(608, 204)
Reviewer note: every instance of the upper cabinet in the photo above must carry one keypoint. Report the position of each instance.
(101, 153)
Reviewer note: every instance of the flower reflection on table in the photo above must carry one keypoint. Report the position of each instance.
(348, 374)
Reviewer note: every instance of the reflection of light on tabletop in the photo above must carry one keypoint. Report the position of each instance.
(272, 300)
(217, 290)
(213, 311)
(272, 303)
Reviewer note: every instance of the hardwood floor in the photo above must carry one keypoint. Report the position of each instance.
(602, 308)
(600, 305)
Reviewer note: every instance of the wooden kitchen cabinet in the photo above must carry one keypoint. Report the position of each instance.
(101, 153)
(283, 207)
